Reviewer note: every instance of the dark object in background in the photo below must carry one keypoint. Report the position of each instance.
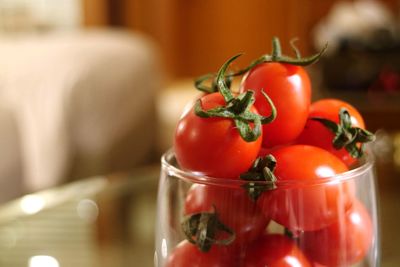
(369, 64)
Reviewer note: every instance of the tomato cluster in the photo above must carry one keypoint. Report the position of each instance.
(318, 220)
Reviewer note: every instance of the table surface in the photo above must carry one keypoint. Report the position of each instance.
(109, 221)
(105, 221)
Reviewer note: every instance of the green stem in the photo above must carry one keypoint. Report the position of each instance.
(294, 47)
(345, 135)
(276, 48)
(222, 87)
(237, 108)
(260, 172)
(199, 83)
(276, 56)
(272, 117)
(202, 229)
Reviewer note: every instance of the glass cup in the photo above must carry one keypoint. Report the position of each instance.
(208, 221)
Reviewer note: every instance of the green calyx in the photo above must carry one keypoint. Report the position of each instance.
(262, 170)
(275, 56)
(237, 108)
(202, 229)
(297, 60)
(346, 136)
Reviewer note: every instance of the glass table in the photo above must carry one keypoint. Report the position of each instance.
(108, 221)
(100, 221)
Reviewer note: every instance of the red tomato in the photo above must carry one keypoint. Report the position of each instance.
(187, 254)
(343, 243)
(275, 250)
(289, 88)
(316, 134)
(299, 202)
(234, 209)
(264, 152)
(213, 146)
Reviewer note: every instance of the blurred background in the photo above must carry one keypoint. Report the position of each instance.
(95, 87)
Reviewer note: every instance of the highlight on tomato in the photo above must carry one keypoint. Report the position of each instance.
(338, 127)
(303, 200)
(342, 243)
(275, 250)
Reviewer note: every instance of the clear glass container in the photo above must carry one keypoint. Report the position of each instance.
(340, 229)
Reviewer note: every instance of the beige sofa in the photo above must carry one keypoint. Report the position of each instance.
(72, 105)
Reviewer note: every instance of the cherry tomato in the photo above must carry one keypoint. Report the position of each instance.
(302, 201)
(275, 250)
(289, 88)
(343, 243)
(187, 254)
(213, 146)
(316, 134)
(234, 209)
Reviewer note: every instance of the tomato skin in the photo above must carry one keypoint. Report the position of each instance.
(213, 146)
(234, 208)
(275, 250)
(299, 206)
(290, 90)
(343, 243)
(316, 134)
(187, 254)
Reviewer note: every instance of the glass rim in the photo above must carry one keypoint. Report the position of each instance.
(173, 170)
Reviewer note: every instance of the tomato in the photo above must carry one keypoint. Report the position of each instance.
(234, 209)
(289, 88)
(187, 254)
(213, 146)
(343, 243)
(316, 134)
(275, 250)
(302, 201)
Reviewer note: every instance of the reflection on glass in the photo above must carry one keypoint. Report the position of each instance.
(325, 171)
(31, 204)
(338, 228)
(164, 249)
(87, 210)
(43, 261)
(293, 261)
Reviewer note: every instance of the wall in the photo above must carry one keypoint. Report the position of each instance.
(196, 36)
